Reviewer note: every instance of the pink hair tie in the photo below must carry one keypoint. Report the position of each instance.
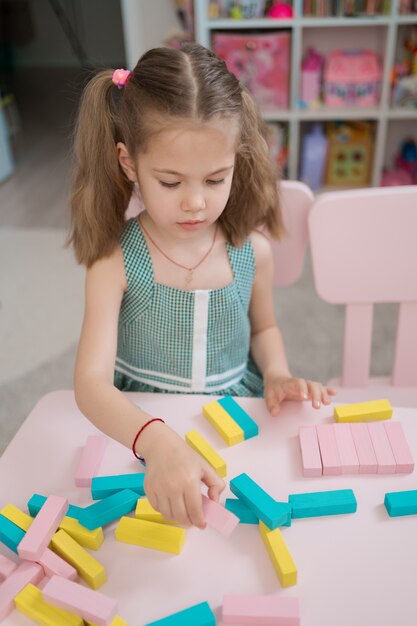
(120, 77)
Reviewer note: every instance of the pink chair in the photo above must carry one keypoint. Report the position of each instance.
(364, 251)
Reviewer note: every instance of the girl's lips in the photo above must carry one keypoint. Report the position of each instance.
(190, 225)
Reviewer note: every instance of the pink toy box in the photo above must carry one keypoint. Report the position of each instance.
(352, 78)
(260, 62)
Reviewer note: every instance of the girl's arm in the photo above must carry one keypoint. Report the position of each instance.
(176, 494)
(267, 345)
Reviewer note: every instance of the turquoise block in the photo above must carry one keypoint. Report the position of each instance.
(243, 512)
(10, 534)
(37, 501)
(271, 512)
(197, 615)
(242, 419)
(104, 486)
(401, 503)
(105, 511)
(318, 503)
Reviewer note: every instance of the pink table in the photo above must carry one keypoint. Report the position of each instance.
(352, 569)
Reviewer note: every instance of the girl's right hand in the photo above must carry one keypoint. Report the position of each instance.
(174, 473)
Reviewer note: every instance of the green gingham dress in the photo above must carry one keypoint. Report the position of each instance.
(177, 341)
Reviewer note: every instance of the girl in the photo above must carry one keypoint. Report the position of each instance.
(178, 299)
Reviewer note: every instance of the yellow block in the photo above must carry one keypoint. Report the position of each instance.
(15, 515)
(31, 603)
(118, 621)
(223, 423)
(200, 445)
(150, 534)
(363, 411)
(279, 555)
(87, 567)
(144, 510)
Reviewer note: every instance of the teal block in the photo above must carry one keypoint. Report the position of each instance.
(400, 503)
(104, 486)
(37, 501)
(107, 510)
(197, 615)
(243, 512)
(242, 419)
(10, 534)
(318, 503)
(271, 512)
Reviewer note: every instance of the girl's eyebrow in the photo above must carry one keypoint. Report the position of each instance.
(222, 169)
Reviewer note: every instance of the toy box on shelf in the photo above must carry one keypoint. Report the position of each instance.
(277, 139)
(404, 171)
(261, 62)
(352, 78)
(349, 153)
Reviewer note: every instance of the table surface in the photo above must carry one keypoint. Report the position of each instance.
(352, 569)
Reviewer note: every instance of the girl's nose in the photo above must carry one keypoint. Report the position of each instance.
(194, 202)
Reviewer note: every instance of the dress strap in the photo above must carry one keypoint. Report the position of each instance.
(242, 261)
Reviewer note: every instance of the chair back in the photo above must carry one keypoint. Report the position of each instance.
(364, 251)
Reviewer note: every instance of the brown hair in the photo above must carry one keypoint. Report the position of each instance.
(190, 83)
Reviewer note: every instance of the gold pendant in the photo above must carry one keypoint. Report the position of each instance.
(189, 276)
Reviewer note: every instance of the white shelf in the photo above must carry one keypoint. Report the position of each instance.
(301, 34)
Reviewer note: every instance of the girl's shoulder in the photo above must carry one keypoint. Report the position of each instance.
(109, 269)
(262, 249)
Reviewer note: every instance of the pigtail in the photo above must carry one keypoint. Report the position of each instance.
(100, 191)
(254, 200)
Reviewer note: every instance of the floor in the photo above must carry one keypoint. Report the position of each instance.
(41, 287)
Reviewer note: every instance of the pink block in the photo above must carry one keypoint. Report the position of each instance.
(346, 447)
(328, 449)
(90, 460)
(364, 448)
(7, 566)
(261, 610)
(218, 517)
(53, 565)
(89, 604)
(310, 452)
(383, 451)
(24, 574)
(43, 527)
(400, 449)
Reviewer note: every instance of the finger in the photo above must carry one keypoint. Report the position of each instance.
(213, 481)
(331, 392)
(272, 401)
(179, 511)
(324, 395)
(194, 507)
(299, 389)
(315, 393)
(164, 507)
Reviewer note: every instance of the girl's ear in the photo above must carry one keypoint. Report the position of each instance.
(126, 162)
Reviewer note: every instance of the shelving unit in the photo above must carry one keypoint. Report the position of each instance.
(375, 32)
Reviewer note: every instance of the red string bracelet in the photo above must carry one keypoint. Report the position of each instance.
(155, 419)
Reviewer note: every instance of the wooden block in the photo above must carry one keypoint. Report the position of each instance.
(87, 567)
(328, 450)
(10, 534)
(144, 510)
(25, 573)
(271, 512)
(242, 511)
(197, 615)
(37, 501)
(7, 566)
(91, 539)
(43, 527)
(320, 503)
(364, 448)
(86, 603)
(18, 517)
(349, 461)
(218, 517)
(382, 448)
(310, 451)
(400, 449)
(105, 486)
(30, 602)
(223, 423)
(279, 555)
(150, 535)
(265, 610)
(91, 457)
(107, 510)
(239, 415)
(363, 411)
(400, 503)
(200, 445)
(118, 621)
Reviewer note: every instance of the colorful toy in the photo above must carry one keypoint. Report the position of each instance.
(314, 157)
(271, 512)
(352, 78)
(402, 453)
(242, 419)
(88, 568)
(349, 461)
(42, 529)
(223, 423)
(144, 510)
(319, 503)
(26, 573)
(31, 603)
(10, 534)
(200, 445)
(243, 512)
(6, 567)
(261, 610)
(311, 78)
(382, 448)
(280, 10)
(37, 501)
(368, 463)
(91, 457)
(105, 486)
(218, 517)
(328, 449)
(363, 411)
(107, 510)
(151, 535)
(310, 451)
(279, 555)
(349, 153)
(400, 503)
(197, 615)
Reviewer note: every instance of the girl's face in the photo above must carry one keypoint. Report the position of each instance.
(185, 175)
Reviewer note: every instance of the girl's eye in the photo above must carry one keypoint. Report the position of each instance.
(169, 185)
(215, 182)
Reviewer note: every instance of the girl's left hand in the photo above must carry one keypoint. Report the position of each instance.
(279, 388)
